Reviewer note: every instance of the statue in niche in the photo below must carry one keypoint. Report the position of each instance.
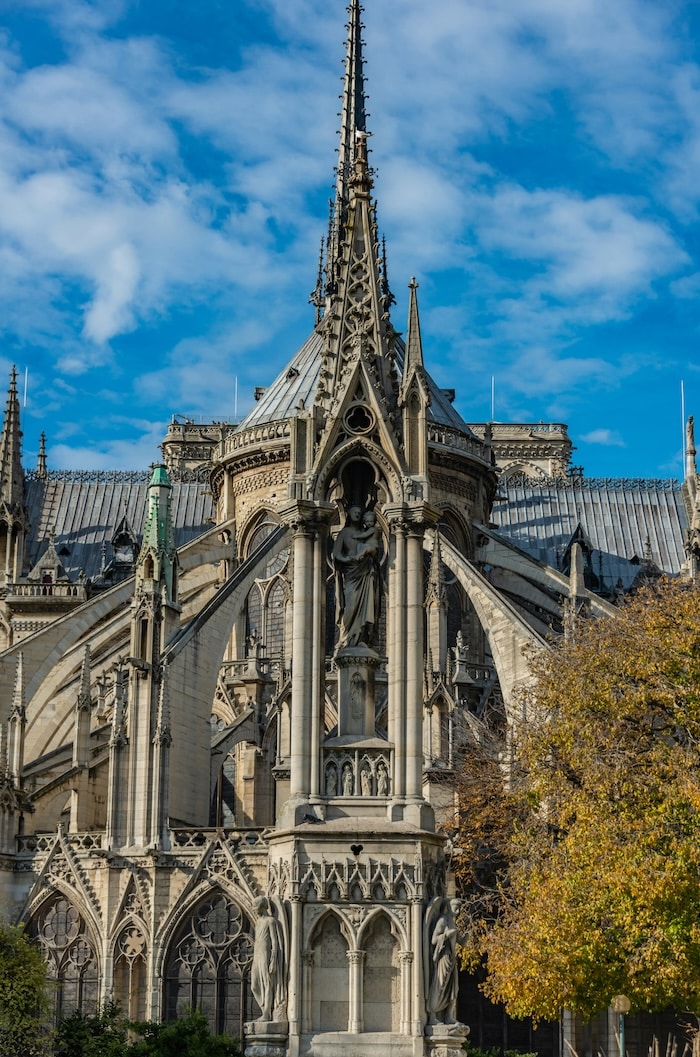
(331, 780)
(268, 978)
(382, 780)
(347, 780)
(366, 781)
(356, 556)
(440, 962)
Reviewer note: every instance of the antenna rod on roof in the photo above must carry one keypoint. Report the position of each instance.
(493, 397)
(26, 380)
(235, 399)
(683, 420)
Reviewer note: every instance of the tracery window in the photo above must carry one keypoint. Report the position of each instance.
(267, 599)
(208, 966)
(70, 953)
(130, 971)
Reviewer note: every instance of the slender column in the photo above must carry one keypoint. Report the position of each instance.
(8, 550)
(406, 963)
(417, 1014)
(302, 653)
(356, 1012)
(414, 664)
(401, 645)
(293, 989)
(319, 658)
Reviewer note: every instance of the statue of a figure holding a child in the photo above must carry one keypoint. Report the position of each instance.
(357, 557)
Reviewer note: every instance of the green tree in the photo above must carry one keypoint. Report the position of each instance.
(594, 844)
(24, 1028)
(102, 1034)
(187, 1037)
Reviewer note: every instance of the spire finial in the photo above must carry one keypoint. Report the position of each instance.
(353, 114)
(414, 343)
(11, 450)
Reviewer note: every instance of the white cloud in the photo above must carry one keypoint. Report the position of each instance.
(607, 437)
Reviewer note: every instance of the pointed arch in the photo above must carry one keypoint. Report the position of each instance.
(206, 962)
(328, 985)
(381, 980)
(71, 951)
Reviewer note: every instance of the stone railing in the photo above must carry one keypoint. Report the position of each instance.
(34, 843)
(454, 440)
(265, 435)
(55, 590)
(196, 838)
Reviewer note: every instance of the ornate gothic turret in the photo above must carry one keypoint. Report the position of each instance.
(14, 518)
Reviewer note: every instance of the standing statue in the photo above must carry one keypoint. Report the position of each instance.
(356, 556)
(440, 958)
(268, 978)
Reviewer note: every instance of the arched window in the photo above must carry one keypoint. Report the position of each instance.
(130, 971)
(70, 953)
(208, 966)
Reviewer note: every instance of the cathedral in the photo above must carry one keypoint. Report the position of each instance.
(234, 688)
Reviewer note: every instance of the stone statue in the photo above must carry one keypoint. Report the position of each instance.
(268, 978)
(347, 780)
(331, 780)
(440, 956)
(356, 556)
(366, 781)
(382, 780)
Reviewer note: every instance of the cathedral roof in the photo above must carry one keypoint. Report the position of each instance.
(87, 507)
(623, 520)
(294, 389)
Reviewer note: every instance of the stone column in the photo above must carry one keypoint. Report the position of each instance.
(415, 652)
(318, 657)
(302, 653)
(397, 660)
(355, 1011)
(417, 992)
(293, 985)
(406, 962)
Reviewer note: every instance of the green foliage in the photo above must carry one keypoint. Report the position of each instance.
(23, 1003)
(597, 835)
(102, 1034)
(187, 1037)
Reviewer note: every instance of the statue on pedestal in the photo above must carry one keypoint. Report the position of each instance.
(356, 556)
(269, 973)
(440, 960)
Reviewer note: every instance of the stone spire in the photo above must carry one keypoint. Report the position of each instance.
(41, 465)
(414, 344)
(353, 114)
(353, 123)
(157, 561)
(12, 479)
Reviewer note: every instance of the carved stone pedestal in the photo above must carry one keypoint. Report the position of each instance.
(356, 667)
(445, 1040)
(266, 1038)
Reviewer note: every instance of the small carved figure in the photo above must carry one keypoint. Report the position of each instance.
(366, 781)
(268, 975)
(331, 780)
(382, 780)
(347, 780)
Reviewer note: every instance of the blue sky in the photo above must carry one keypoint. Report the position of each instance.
(165, 168)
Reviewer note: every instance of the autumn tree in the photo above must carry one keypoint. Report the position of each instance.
(589, 875)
